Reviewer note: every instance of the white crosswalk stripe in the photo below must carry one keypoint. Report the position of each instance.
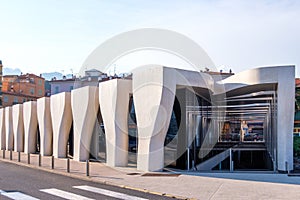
(71, 196)
(17, 195)
(64, 194)
(108, 193)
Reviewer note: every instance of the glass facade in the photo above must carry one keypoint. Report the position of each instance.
(201, 129)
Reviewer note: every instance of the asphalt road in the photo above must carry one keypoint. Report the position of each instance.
(18, 182)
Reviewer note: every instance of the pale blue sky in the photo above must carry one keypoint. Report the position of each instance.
(55, 35)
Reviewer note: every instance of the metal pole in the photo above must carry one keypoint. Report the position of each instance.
(40, 160)
(3, 153)
(287, 167)
(230, 160)
(87, 168)
(10, 155)
(188, 158)
(52, 162)
(19, 156)
(68, 165)
(28, 158)
(274, 160)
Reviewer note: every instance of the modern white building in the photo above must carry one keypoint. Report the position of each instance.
(184, 119)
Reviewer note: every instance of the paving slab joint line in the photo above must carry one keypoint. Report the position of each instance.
(147, 191)
(42, 168)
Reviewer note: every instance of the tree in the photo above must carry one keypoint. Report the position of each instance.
(296, 146)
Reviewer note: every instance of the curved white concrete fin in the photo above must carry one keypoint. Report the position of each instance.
(30, 126)
(61, 116)
(2, 129)
(114, 96)
(18, 127)
(153, 95)
(45, 126)
(9, 128)
(85, 106)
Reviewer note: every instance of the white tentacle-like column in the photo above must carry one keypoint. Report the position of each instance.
(114, 105)
(2, 129)
(154, 89)
(30, 126)
(153, 97)
(85, 106)
(45, 126)
(9, 129)
(18, 127)
(61, 116)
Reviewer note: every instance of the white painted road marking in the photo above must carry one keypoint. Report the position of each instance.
(108, 193)
(17, 195)
(64, 195)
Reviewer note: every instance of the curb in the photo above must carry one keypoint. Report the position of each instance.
(95, 181)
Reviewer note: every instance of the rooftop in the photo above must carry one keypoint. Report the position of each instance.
(23, 76)
(54, 80)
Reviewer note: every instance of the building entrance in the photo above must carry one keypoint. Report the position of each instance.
(238, 135)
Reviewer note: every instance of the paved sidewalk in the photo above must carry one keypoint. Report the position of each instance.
(178, 184)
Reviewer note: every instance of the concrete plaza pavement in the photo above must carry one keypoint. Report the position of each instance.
(179, 184)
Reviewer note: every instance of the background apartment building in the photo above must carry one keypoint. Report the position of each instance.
(91, 78)
(21, 88)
